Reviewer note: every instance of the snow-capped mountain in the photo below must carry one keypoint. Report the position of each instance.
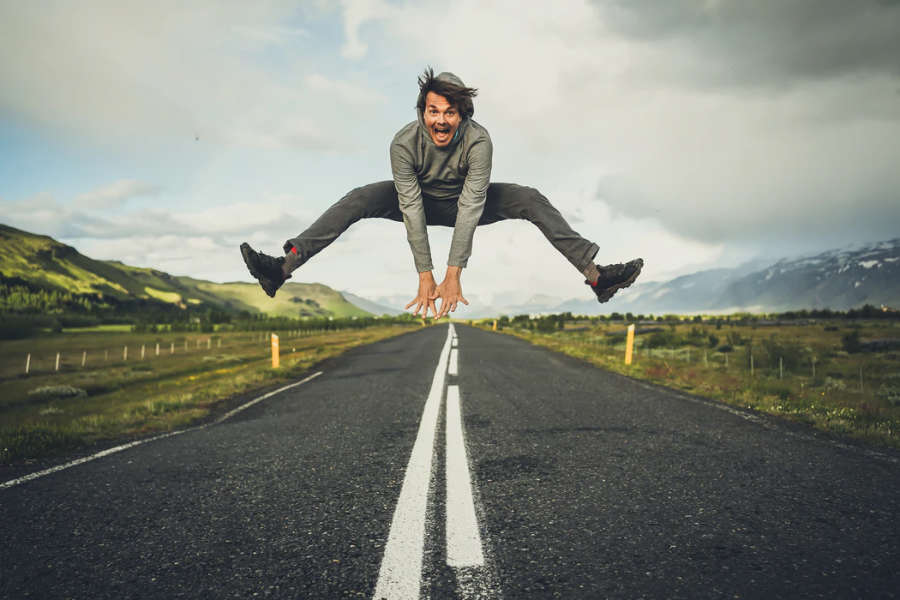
(838, 279)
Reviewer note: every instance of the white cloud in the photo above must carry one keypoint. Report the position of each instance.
(115, 194)
(197, 256)
(271, 34)
(355, 14)
(346, 92)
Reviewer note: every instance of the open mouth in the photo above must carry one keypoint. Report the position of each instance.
(441, 133)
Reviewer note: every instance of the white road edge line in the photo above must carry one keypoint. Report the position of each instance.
(453, 368)
(108, 451)
(463, 539)
(242, 407)
(400, 576)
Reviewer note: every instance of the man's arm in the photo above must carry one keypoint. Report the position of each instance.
(470, 206)
(409, 195)
(471, 202)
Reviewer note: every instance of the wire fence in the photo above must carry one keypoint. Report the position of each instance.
(68, 357)
(742, 362)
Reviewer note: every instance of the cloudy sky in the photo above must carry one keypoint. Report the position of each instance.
(691, 133)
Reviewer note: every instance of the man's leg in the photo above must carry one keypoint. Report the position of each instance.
(376, 200)
(512, 201)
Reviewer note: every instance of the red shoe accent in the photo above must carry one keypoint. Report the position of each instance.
(294, 249)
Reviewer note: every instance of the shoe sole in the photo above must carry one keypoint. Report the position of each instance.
(609, 292)
(266, 284)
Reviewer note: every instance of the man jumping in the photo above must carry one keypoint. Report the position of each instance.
(442, 166)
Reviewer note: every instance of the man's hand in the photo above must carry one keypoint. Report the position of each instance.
(425, 298)
(450, 292)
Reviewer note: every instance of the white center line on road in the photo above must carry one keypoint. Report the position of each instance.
(463, 539)
(400, 576)
(115, 449)
(453, 368)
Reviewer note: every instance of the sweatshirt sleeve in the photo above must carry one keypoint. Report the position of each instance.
(471, 202)
(409, 195)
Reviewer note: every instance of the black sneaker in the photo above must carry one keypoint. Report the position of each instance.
(267, 269)
(615, 277)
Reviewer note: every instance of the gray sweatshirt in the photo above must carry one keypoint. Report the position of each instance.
(459, 172)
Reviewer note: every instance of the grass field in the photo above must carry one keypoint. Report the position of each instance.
(800, 371)
(119, 393)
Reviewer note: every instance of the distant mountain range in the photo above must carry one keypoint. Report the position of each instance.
(43, 263)
(379, 306)
(837, 279)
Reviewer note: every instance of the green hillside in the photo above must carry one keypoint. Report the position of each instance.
(43, 261)
(33, 264)
(292, 300)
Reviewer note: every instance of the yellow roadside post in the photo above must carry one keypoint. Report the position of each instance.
(275, 354)
(629, 344)
(494, 328)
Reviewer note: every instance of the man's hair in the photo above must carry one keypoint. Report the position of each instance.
(458, 96)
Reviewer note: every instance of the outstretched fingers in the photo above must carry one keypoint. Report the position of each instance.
(418, 304)
(423, 304)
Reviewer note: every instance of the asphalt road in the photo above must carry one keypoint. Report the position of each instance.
(571, 483)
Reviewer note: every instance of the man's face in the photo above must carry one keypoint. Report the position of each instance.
(441, 119)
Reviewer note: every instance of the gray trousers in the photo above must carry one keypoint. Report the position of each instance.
(504, 201)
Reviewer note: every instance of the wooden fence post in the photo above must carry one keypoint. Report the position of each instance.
(629, 343)
(125, 353)
(83, 358)
(780, 367)
(57, 361)
(275, 353)
(142, 351)
(28, 363)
